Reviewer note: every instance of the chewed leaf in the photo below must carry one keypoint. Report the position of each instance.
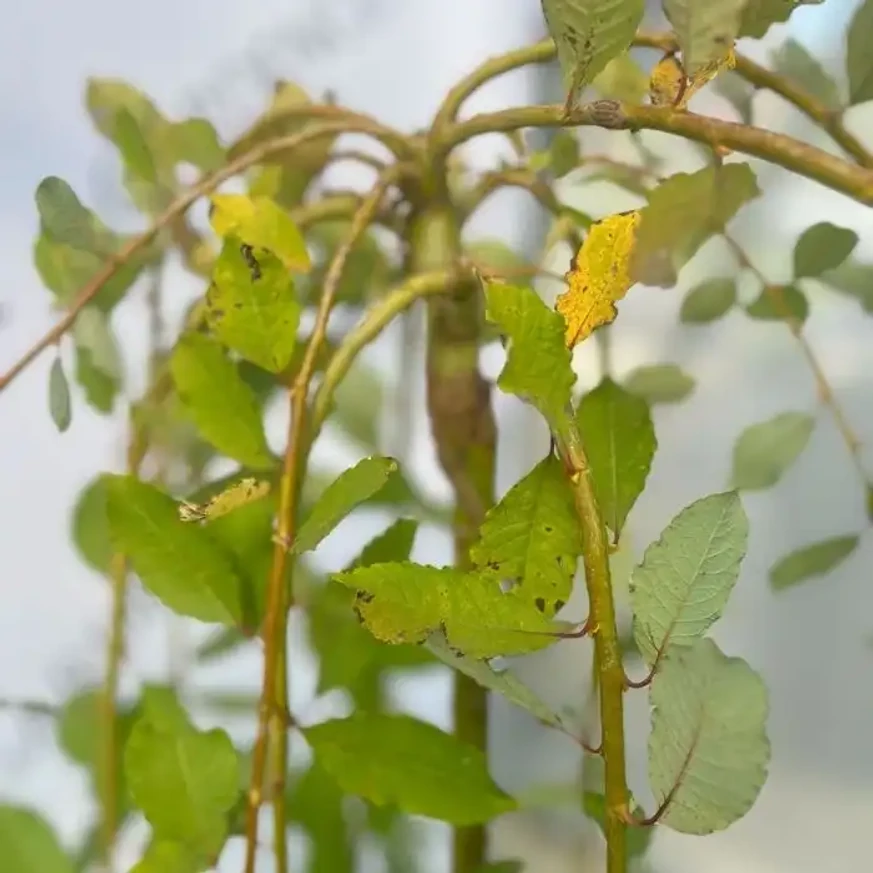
(239, 494)
(259, 221)
(687, 575)
(708, 750)
(531, 537)
(537, 367)
(406, 603)
(599, 276)
(400, 760)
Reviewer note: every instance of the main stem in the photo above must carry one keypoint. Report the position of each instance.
(607, 651)
(459, 405)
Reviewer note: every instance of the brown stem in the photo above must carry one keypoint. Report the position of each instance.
(272, 720)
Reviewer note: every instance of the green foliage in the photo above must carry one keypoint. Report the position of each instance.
(775, 302)
(659, 383)
(563, 153)
(758, 15)
(589, 34)
(251, 305)
(90, 526)
(164, 856)
(179, 563)
(184, 780)
(705, 29)
(28, 844)
(638, 839)
(60, 405)
(822, 247)
(709, 718)
(683, 212)
(709, 301)
(537, 367)
(222, 406)
(794, 62)
(399, 760)
(620, 441)
(530, 539)
(350, 488)
(683, 583)
(816, 559)
(765, 451)
(859, 62)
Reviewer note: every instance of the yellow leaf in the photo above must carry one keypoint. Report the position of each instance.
(599, 276)
(239, 494)
(668, 85)
(259, 221)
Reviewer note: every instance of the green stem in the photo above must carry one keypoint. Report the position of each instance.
(607, 649)
(459, 405)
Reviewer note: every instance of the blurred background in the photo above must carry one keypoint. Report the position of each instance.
(394, 61)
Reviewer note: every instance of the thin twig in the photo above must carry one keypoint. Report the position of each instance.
(355, 124)
(272, 720)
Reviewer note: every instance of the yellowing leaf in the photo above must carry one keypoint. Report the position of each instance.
(599, 277)
(239, 494)
(669, 85)
(259, 221)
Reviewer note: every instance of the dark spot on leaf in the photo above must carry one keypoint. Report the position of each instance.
(540, 604)
(559, 605)
(548, 528)
(364, 597)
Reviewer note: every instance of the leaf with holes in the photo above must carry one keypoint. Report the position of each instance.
(763, 452)
(816, 559)
(531, 540)
(590, 33)
(709, 719)
(705, 29)
(659, 383)
(620, 443)
(262, 223)
(251, 305)
(406, 603)
(859, 58)
(396, 759)
(686, 577)
(708, 301)
(350, 488)
(822, 247)
(222, 406)
(537, 366)
(179, 563)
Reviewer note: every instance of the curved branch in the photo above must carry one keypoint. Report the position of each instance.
(805, 160)
(513, 177)
(176, 209)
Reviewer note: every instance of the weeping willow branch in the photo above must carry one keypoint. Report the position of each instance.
(274, 718)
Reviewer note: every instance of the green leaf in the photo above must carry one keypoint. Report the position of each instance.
(859, 60)
(134, 148)
(708, 301)
(350, 488)
(501, 681)
(620, 442)
(686, 577)
(396, 759)
(812, 560)
(537, 367)
(90, 526)
(393, 544)
(765, 451)
(794, 62)
(261, 223)
(357, 404)
(822, 247)
(495, 256)
(659, 383)
(502, 867)
(709, 721)
(100, 388)
(91, 331)
(184, 780)
(682, 213)
(853, 278)
(60, 406)
(758, 15)
(590, 33)
(195, 141)
(638, 839)
(222, 406)
(406, 603)
(28, 844)
(177, 562)
(531, 538)
(777, 302)
(251, 305)
(563, 153)
(622, 79)
(64, 219)
(165, 856)
(705, 29)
